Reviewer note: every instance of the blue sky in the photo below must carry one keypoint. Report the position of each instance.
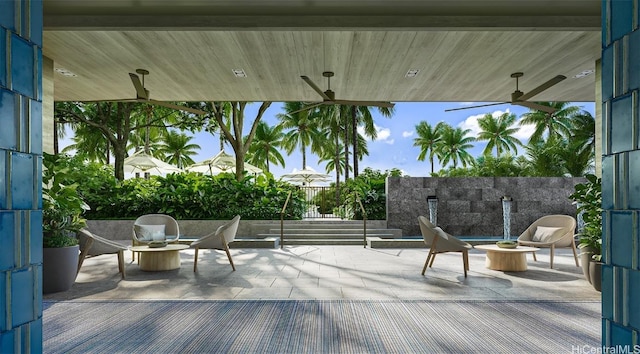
(394, 145)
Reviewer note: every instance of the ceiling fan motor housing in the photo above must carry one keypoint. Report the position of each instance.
(515, 96)
(330, 94)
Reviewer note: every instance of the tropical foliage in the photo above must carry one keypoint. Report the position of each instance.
(177, 149)
(265, 148)
(183, 196)
(499, 132)
(588, 196)
(62, 206)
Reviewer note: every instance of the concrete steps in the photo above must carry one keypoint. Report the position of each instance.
(328, 233)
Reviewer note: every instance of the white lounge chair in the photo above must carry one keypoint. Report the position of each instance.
(218, 240)
(551, 231)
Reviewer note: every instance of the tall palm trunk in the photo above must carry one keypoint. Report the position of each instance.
(346, 147)
(56, 148)
(354, 128)
(336, 162)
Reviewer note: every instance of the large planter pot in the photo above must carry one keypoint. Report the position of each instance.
(595, 272)
(585, 261)
(59, 268)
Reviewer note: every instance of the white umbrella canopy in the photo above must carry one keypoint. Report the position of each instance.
(203, 168)
(221, 162)
(307, 175)
(140, 162)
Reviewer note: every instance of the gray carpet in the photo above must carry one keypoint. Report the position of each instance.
(298, 326)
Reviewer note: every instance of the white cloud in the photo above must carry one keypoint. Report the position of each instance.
(472, 122)
(383, 134)
(525, 131)
(406, 134)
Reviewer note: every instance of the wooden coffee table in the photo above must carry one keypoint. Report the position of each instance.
(506, 259)
(160, 258)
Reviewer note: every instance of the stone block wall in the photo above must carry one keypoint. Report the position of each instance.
(472, 206)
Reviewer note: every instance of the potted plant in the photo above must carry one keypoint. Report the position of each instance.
(588, 196)
(62, 210)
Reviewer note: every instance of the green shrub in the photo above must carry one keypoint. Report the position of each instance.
(183, 196)
(369, 188)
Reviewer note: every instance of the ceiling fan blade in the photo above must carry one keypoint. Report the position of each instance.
(365, 103)
(542, 87)
(140, 90)
(478, 106)
(535, 106)
(112, 100)
(175, 106)
(315, 87)
(306, 108)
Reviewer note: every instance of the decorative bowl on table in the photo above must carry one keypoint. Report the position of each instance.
(157, 244)
(507, 244)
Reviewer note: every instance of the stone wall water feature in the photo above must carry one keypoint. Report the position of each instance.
(472, 206)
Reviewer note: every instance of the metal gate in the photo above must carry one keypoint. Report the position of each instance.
(321, 201)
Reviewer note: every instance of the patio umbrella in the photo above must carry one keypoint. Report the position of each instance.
(306, 176)
(221, 162)
(141, 162)
(203, 168)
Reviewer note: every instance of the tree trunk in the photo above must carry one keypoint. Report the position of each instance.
(239, 164)
(304, 157)
(346, 148)
(119, 154)
(56, 148)
(336, 162)
(354, 128)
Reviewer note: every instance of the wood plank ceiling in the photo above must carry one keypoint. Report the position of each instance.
(464, 52)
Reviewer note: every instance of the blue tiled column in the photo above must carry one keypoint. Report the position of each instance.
(20, 176)
(620, 174)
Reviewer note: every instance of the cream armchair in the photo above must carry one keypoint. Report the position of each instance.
(551, 231)
(94, 245)
(218, 240)
(154, 227)
(439, 241)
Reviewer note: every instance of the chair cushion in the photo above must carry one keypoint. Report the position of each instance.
(149, 232)
(545, 234)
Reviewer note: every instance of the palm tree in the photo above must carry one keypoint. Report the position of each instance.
(302, 129)
(545, 159)
(90, 144)
(583, 128)
(577, 157)
(264, 148)
(332, 123)
(177, 148)
(148, 139)
(555, 124)
(361, 116)
(427, 140)
(454, 145)
(499, 133)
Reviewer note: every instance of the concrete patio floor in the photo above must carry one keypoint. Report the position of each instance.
(329, 273)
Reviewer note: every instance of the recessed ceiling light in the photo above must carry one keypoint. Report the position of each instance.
(239, 73)
(412, 73)
(583, 73)
(65, 72)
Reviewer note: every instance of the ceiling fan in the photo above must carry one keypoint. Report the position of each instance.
(520, 98)
(329, 97)
(142, 95)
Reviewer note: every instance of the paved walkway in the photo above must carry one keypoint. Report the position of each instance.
(332, 272)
